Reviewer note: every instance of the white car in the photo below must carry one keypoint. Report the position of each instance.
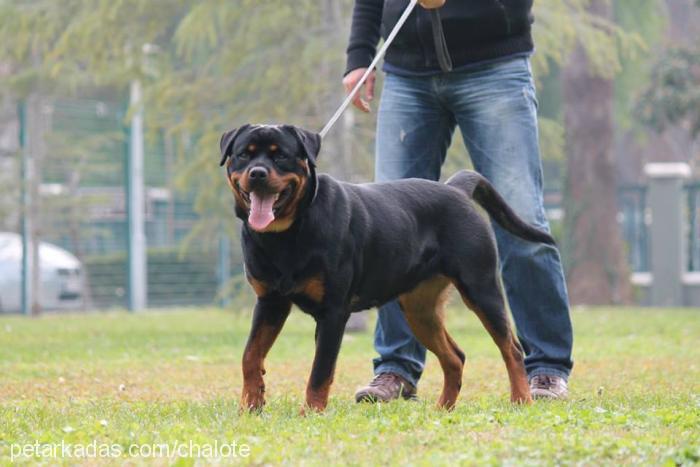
(60, 278)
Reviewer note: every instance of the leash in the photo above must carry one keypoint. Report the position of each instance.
(411, 6)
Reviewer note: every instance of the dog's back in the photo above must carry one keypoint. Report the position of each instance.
(399, 233)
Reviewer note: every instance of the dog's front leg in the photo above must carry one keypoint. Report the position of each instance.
(329, 335)
(268, 319)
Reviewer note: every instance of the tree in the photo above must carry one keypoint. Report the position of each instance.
(671, 100)
(211, 65)
(596, 266)
(673, 96)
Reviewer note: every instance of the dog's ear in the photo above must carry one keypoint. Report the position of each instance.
(227, 140)
(310, 141)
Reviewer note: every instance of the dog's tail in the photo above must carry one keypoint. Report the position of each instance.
(481, 191)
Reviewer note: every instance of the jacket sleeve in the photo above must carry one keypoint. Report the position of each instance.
(364, 33)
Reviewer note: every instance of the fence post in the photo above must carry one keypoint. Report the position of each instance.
(27, 166)
(224, 267)
(32, 133)
(668, 262)
(136, 204)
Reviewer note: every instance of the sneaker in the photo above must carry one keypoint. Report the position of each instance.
(385, 387)
(548, 387)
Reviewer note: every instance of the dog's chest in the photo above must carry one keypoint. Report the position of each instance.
(285, 271)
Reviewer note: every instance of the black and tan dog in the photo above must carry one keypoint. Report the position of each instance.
(333, 248)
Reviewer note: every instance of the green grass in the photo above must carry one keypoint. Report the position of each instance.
(174, 376)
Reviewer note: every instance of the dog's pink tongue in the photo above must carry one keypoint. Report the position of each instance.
(261, 214)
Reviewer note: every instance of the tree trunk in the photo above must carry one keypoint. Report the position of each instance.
(596, 266)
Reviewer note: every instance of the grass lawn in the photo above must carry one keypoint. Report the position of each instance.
(119, 380)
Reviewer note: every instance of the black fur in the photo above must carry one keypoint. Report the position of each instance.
(370, 243)
(479, 189)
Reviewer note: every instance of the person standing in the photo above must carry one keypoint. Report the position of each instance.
(489, 94)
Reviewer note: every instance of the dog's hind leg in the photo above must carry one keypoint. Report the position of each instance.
(423, 308)
(483, 296)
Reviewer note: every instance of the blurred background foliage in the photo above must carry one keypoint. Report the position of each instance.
(209, 65)
(214, 64)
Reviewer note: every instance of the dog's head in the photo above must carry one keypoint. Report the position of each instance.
(272, 172)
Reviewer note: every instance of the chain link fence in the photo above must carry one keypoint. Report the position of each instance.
(80, 221)
(80, 214)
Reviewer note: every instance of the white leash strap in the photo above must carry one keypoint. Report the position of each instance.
(369, 70)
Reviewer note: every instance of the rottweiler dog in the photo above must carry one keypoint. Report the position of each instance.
(333, 248)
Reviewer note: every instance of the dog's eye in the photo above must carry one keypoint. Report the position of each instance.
(244, 156)
(280, 156)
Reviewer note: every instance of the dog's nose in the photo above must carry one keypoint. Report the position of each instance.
(258, 173)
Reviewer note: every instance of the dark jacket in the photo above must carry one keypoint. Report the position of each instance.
(475, 31)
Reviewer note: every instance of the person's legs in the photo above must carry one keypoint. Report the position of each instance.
(413, 134)
(496, 110)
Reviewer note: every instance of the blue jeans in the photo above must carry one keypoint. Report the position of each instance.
(495, 108)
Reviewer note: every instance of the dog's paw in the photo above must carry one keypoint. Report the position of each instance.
(308, 409)
(523, 399)
(251, 409)
(251, 404)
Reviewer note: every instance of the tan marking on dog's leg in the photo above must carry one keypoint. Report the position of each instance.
(422, 307)
(259, 344)
(317, 398)
(313, 288)
(259, 287)
(511, 352)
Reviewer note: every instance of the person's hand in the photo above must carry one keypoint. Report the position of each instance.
(431, 4)
(351, 80)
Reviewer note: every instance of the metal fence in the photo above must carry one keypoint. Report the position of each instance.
(693, 190)
(81, 209)
(635, 219)
(81, 178)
